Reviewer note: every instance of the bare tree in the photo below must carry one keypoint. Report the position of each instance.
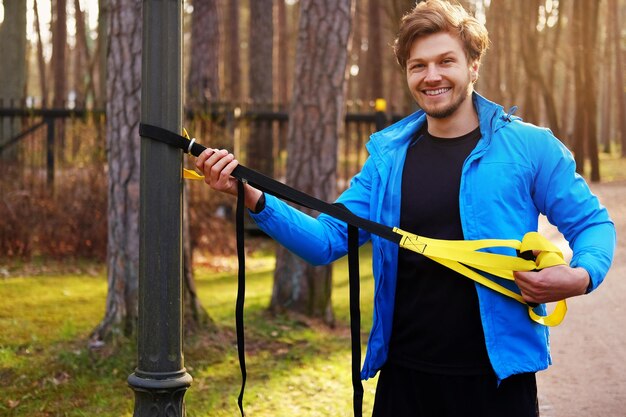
(202, 87)
(399, 96)
(615, 15)
(375, 50)
(59, 44)
(315, 121)
(282, 34)
(41, 62)
(12, 65)
(260, 146)
(123, 152)
(203, 80)
(585, 143)
(233, 62)
(102, 47)
(83, 62)
(533, 47)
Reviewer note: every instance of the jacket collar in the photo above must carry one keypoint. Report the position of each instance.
(491, 118)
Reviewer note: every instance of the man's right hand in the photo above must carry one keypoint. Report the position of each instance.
(217, 165)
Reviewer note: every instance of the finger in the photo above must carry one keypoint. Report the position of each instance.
(201, 159)
(222, 158)
(229, 168)
(210, 162)
(226, 181)
(524, 282)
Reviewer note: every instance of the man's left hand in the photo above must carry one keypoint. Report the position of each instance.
(552, 284)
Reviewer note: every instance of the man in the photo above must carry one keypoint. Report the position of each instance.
(460, 168)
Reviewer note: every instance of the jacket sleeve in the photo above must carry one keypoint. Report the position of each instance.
(568, 203)
(320, 240)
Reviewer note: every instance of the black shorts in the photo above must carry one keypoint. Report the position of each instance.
(406, 392)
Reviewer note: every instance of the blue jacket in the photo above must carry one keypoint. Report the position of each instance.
(516, 172)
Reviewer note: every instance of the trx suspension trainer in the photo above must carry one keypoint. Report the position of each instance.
(463, 256)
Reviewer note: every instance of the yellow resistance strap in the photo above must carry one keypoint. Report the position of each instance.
(460, 255)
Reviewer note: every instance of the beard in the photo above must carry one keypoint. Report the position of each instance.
(449, 109)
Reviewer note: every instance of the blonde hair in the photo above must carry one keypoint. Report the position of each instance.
(434, 16)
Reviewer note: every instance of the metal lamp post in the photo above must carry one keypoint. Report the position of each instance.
(160, 379)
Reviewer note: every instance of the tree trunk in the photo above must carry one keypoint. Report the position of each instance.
(606, 85)
(580, 128)
(195, 315)
(233, 63)
(103, 24)
(532, 58)
(282, 75)
(12, 69)
(59, 74)
(358, 88)
(41, 62)
(260, 146)
(586, 20)
(123, 153)
(59, 43)
(619, 72)
(568, 102)
(491, 78)
(202, 88)
(375, 50)
(591, 98)
(84, 65)
(315, 122)
(203, 80)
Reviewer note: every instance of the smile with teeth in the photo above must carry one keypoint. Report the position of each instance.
(437, 91)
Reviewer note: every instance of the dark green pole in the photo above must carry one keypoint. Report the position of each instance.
(160, 380)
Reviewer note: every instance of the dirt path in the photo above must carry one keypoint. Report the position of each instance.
(588, 377)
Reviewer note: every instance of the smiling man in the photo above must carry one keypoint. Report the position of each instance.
(460, 168)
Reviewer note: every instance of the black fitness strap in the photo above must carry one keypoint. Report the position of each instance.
(355, 318)
(280, 190)
(241, 292)
(271, 186)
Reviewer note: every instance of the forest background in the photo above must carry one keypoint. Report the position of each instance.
(69, 110)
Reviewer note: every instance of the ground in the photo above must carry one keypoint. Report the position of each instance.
(588, 375)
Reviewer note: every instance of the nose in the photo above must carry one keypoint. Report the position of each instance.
(432, 74)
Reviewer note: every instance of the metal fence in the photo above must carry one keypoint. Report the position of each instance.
(37, 145)
(53, 186)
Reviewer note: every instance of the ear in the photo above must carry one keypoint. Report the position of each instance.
(474, 66)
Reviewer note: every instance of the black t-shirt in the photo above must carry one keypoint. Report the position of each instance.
(436, 325)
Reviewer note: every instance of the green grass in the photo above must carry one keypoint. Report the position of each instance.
(295, 366)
